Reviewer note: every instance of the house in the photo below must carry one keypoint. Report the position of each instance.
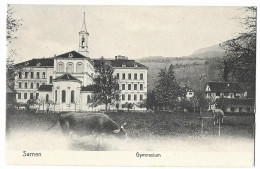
(229, 96)
(189, 92)
(66, 80)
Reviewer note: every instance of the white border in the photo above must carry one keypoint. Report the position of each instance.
(3, 4)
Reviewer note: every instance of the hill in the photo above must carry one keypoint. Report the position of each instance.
(193, 70)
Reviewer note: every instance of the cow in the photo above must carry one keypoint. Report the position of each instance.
(217, 115)
(84, 124)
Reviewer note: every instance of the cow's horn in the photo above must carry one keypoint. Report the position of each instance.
(116, 131)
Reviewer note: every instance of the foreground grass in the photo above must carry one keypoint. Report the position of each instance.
(143, 125)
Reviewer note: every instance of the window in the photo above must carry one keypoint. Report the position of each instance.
(31, 85)
(190, 93)
(129, 97)
(70, 67)
(32, 75)
(240, 109)
(25, 96)
(47, 98)
(20, 85)
(89, 99)
(38, 75)
(26, 75)
(129, 75)
(37, 95)
(56, 94)
(218, 94)
(117, 75)
(123, 86)
(63, 97)
(135, 86)
(31, 95)
(72, 97)
(50, 79)
(141, 87)
(135, 97)
(232, 109)
(129, 86)
(20, 75)
(80, 68)
(60, 67)
(141, 97)
(25, 85)
(43, 75)
(123, 97)
(37, 85)
(19, 95)
(135, 76)
(141, 76)
(123, 76)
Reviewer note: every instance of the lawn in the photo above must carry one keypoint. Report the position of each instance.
(144, 125)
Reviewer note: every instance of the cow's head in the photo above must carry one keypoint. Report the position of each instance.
(121, 132)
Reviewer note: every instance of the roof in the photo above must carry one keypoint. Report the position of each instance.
(187, 89)
(66, 77)
(224, 86)
(45, 88)
(88, 88)
(72, 54)
(120, 62)
(43, 62)
(238, 101)
(83, 27)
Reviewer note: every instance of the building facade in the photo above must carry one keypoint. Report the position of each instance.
(65, 82)
(229, 96)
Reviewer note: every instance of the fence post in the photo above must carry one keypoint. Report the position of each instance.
(219, 126)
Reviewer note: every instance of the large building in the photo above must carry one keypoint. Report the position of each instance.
(66, 80)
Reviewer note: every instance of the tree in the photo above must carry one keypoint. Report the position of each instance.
(12, 25)
(106, 88)
(167, 89)
(239, 60)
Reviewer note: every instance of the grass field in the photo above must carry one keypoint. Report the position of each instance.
(140, 126)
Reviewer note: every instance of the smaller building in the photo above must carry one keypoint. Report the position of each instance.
(229, 96)
(236, 105)
(189, 92)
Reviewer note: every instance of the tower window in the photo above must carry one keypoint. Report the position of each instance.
(83, 40)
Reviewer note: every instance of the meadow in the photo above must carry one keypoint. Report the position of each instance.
(148, 127)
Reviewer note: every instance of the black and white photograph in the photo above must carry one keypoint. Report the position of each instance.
(152, 85)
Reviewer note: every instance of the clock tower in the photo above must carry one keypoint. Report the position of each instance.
(83, 39)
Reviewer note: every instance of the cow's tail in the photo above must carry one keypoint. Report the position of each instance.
(54, 123)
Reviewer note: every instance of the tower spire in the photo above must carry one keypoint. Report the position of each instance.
(84, 27)
(83, 38)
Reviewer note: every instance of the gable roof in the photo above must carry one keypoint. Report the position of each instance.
(120, 62)
(45, 88)
(66, 77)
(73, 55)
(224, 86)
(42, 62)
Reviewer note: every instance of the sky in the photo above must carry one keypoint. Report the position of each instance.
(133, 31)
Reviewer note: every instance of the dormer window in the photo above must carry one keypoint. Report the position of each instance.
(135, 65)
(123, 65)
(38, 64)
